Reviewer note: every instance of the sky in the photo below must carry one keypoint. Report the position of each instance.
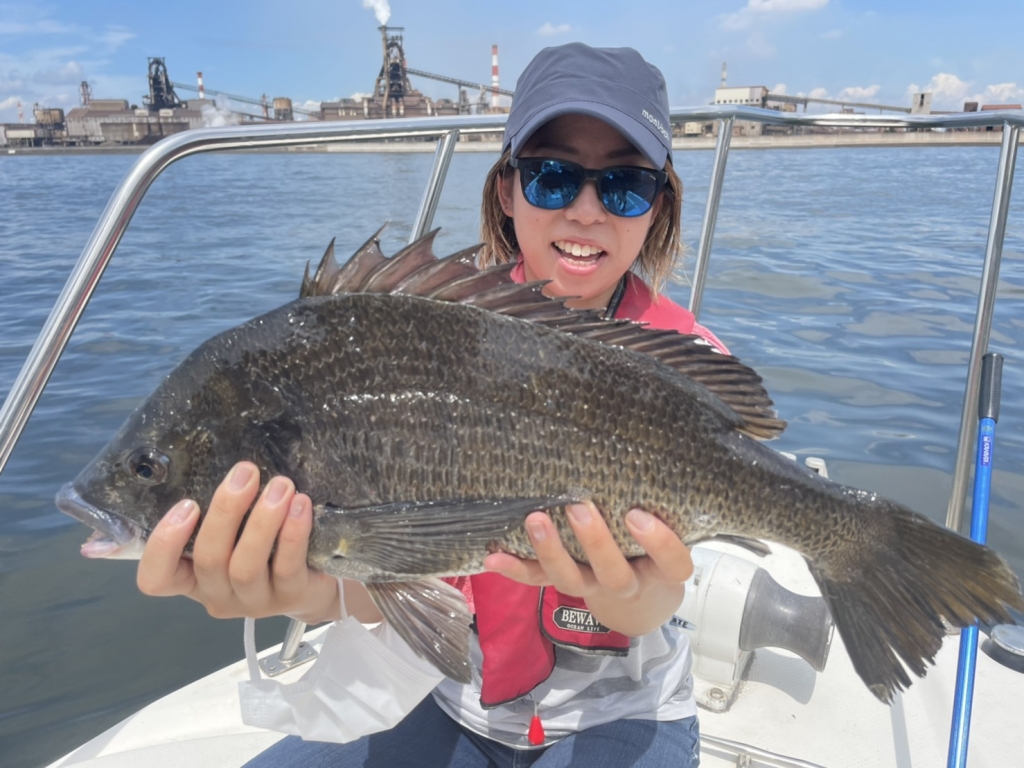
(878, 51)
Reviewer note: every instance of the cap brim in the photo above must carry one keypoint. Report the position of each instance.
(638, 134)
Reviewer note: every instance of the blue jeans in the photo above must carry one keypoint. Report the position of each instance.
(429, 738)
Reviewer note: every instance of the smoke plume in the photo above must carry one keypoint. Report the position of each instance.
(380, 8)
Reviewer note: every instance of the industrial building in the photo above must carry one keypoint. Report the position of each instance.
(112, 121)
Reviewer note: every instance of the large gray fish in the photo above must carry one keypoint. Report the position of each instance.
(427, 407)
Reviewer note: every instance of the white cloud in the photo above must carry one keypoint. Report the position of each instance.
(785, 6)
(69, 72)
(757, 9)
(38, 27)
(780, 88)
(857, 93)
(1002, 93)
(851, 93)
(115, 37)
(54, 58)
(757, 45)
(948, 91)
(309, 105)
(550, 30)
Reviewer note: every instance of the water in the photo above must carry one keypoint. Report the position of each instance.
(848, 278)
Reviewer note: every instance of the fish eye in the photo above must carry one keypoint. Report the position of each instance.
(148, 466)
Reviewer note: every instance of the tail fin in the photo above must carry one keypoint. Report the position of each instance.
(891, 607)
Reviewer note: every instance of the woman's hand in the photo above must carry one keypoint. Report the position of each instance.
(630, 596)
(234, 575)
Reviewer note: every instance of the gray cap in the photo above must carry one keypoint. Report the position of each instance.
(615, 85)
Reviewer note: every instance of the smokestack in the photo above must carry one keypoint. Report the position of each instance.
(725, 69)
(202, 93)
(21, 113)
(494, 76)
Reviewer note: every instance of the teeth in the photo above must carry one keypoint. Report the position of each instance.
(575, 249)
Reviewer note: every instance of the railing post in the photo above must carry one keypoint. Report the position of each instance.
(432, 193)
(983, 321)
(293, 651)
(707, 228)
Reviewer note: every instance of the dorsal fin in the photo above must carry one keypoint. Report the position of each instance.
(407, 261)
(416, 271)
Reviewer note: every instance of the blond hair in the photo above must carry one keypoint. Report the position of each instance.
(654, 263)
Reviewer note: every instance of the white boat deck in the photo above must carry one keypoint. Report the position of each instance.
(783, 708)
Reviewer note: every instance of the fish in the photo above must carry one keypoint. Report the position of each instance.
(427, 406)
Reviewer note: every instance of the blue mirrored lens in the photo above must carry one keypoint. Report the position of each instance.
(554, 184)
(628, 192)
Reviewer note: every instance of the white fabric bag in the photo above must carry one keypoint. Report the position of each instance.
(364, 681)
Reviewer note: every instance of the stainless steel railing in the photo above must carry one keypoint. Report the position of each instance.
(98, 251)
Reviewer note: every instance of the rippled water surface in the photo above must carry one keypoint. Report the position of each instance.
(848, 278)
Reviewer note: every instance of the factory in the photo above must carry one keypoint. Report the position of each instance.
(111, 121)
(114, 122)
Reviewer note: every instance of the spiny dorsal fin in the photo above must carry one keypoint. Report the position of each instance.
(404, 263)
(331, 278)
(416, 271)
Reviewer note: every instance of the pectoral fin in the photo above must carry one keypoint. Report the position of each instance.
(432, 618)
(435, 537)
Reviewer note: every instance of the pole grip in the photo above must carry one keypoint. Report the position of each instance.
(991, 384)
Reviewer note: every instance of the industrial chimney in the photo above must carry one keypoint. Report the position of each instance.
(199, 77)
(725, 69)
(494, 76)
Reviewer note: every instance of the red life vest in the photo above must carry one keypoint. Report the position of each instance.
(518, 626)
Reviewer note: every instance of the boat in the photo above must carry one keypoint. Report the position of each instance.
(761, 706)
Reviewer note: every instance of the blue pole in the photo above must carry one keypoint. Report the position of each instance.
(988, 414)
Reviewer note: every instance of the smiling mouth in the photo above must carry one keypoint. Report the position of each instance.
(577, 251)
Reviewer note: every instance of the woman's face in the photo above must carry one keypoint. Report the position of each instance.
(608, 245)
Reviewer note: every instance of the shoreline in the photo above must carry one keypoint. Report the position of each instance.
(808, 141)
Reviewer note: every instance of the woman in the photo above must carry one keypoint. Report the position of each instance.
(585, 197)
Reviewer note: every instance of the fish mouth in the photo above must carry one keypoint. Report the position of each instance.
(114, 536)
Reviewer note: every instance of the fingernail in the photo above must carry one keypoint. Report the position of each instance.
(276, 490)
(580, 513)
(537, 532)
(640, 520)
(240, 477)
(297, 507)
(181, 512)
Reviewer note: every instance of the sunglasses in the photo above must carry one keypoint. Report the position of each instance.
(624, 190)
